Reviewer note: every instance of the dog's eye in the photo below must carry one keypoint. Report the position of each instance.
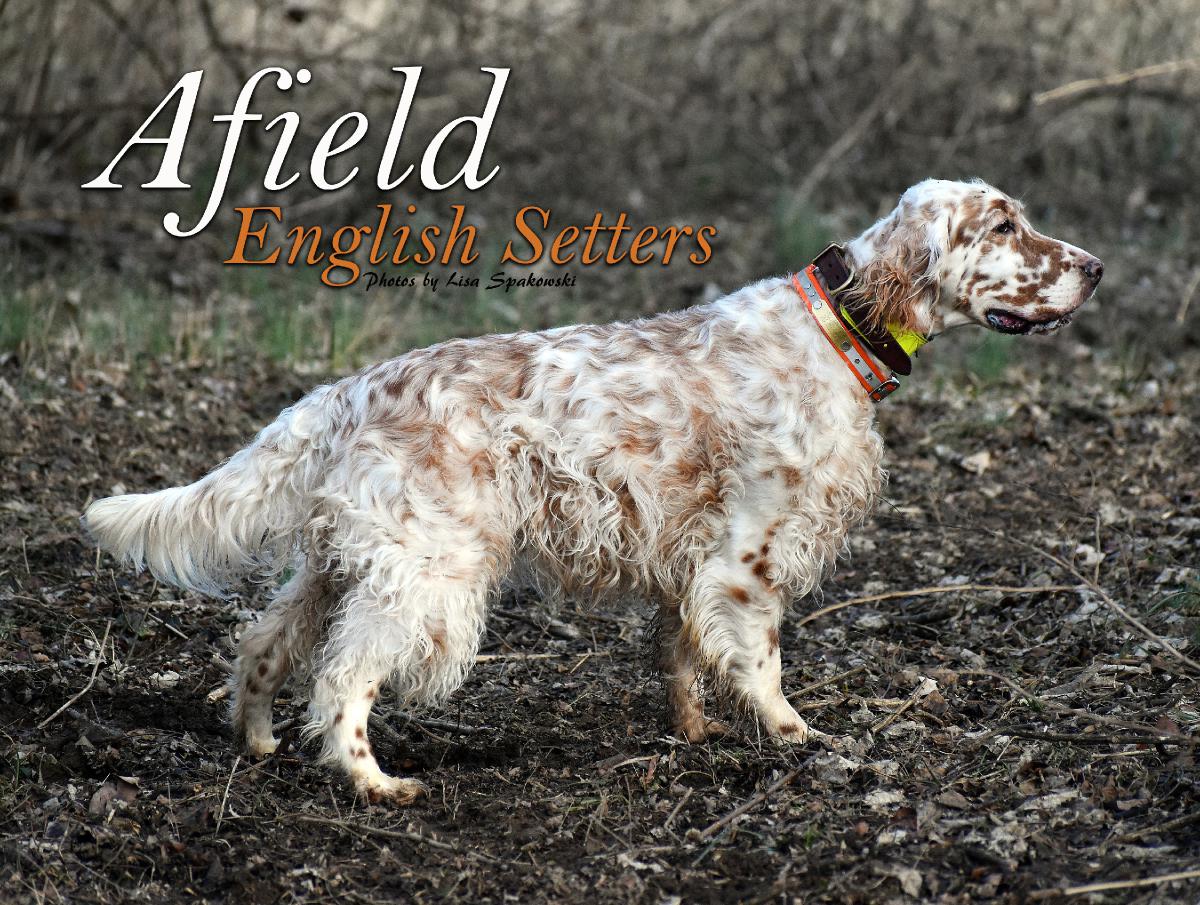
(1005, 227)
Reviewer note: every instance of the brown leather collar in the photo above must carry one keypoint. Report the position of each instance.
(837, 275)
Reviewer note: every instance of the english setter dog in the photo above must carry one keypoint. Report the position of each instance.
(710, 460)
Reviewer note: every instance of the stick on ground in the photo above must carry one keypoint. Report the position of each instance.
(86, 688)
(939, 589)
(1038, 895)
(752, 802)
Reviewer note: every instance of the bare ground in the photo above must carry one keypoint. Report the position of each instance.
(987, 745)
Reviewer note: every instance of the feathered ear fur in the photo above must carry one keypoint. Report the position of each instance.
(899, 281)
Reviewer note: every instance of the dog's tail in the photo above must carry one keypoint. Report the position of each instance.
(241, 518)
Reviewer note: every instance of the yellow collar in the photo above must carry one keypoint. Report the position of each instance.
(908, 340)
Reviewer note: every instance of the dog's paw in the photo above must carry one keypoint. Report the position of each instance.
(701, 730)
(392, 790)
(793, 733)
(261, 747)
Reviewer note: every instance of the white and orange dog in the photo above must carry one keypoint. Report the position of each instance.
(711, 460)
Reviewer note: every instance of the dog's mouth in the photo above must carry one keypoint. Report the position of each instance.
(1007, 322)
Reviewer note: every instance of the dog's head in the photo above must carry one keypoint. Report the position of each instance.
(957, 252)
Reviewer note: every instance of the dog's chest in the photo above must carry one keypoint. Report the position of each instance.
(809, 483)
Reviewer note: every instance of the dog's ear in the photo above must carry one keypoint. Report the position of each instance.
(899, 284)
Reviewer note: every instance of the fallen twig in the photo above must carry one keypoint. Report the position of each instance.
(809, 689)
(225, 797)
(752, 802)
(1188, 292)
(924, 687)
(939, 589)
(86, 688)
(678, 807)
(394, 834)
(97, 731)
(1169, 826)
(1039, 894)
(1107, 600)
(429, 722)
(517, 655)
(157, 618)
(1158, 734)
(1079, 738)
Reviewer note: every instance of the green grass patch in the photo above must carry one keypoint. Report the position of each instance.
(276, 314)
(801, 233)
(991, 357)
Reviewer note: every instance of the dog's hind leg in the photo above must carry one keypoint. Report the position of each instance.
(400, 623)
(271, 649)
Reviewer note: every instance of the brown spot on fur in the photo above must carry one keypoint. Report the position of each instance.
(639, 445)
(760, 570)
(262, 669)
(524, 375)
(358, 733)
(772, 640)
(370, 694)
(252, 687)
(970, 220)
(360, 752)
(482, 467)
(748, 557)
(438, 638)
(788, 729)
(739, 594)
(337, 719)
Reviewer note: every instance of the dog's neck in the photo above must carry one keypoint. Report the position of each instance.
(858, 253)
(925, 319)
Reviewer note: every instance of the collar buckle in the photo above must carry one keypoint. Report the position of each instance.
(885, 389)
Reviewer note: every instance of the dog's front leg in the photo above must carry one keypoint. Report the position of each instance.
(685, 696)
(735, 613)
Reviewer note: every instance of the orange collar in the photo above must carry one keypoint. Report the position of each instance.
(841, 335)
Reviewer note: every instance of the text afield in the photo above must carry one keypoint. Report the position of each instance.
(329, 146)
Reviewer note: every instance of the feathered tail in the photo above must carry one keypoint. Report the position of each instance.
(243, 517)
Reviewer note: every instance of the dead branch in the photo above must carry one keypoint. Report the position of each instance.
(1115, 80)
(368, 830)
(939, 589)
(1186, 300)
(752, 802)
(853, 135)
(133, 34)
(1107, 600)
(1153, 731)
(86, 688)
(1039, 894)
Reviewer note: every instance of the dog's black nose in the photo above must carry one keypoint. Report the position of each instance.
(1093, 269)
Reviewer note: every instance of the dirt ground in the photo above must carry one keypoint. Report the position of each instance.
(990, 743)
